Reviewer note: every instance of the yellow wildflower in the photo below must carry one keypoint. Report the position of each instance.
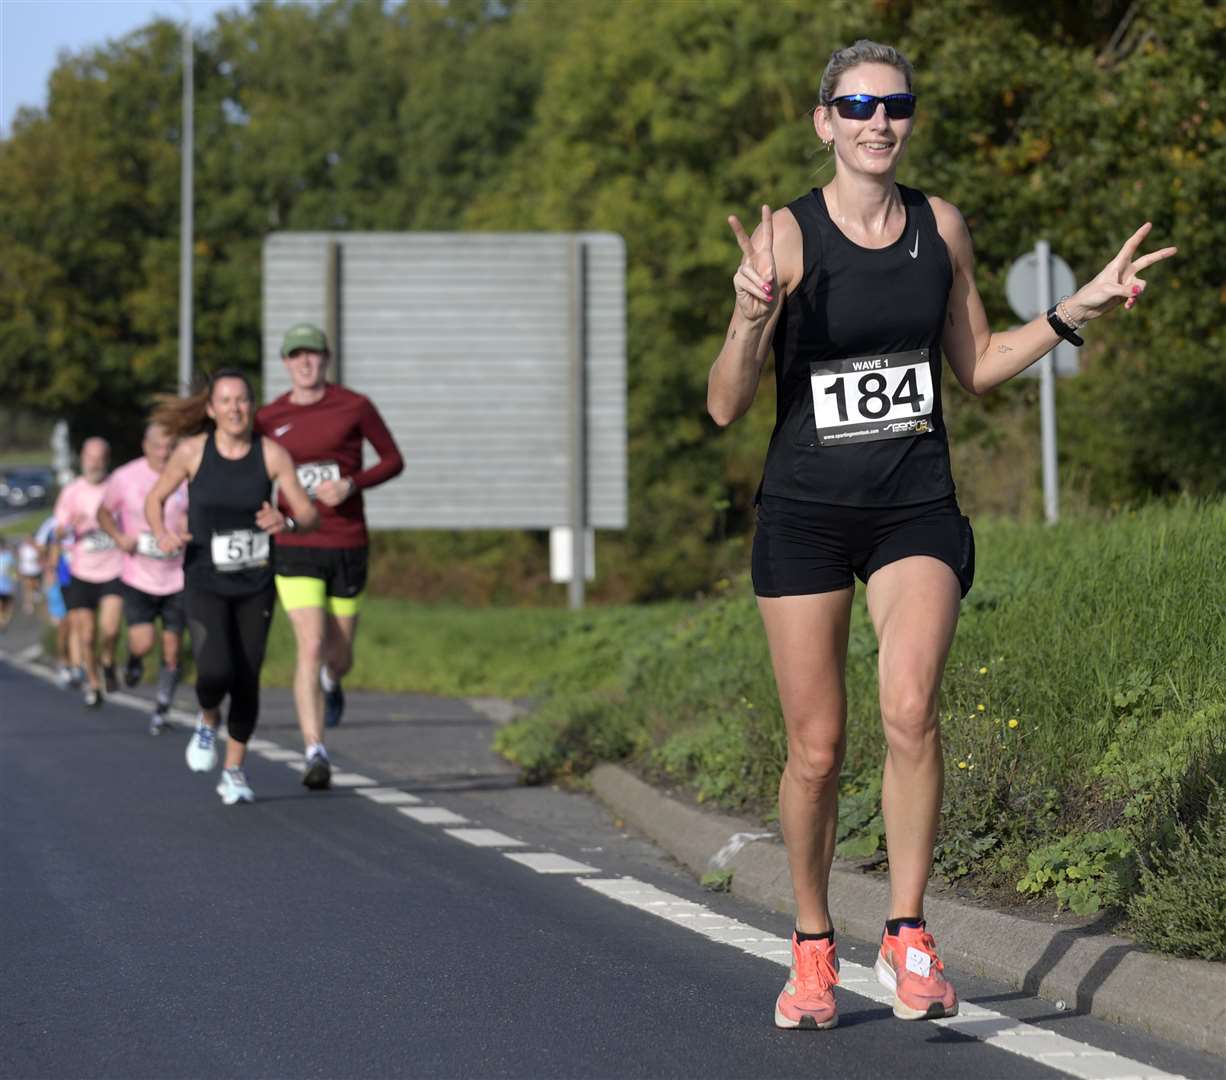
(1013, 723)
(961, 764)
(981, 708)
(983, 671)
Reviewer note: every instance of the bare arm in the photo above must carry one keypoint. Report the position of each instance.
(182, 466)
(281, 471)
(770, 259)
(106, 522)
(981, 359)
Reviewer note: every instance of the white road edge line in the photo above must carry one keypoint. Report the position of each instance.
(1058, 1052)
(547, 862)
(484, 838)
(432, 815)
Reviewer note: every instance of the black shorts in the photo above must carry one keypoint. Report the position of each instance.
(88, 594)
(342, 570)
(140, 607)
(804, 547)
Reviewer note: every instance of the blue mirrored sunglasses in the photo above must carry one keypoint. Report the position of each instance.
(864, 106)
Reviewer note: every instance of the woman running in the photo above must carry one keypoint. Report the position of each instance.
(227, 561)
(859, 287)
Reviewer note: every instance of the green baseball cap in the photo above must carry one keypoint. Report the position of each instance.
(304, 336)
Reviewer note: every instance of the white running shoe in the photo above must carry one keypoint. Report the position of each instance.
(202, 749)
(233, 787)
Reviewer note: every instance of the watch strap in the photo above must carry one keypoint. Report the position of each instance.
(1062, 328)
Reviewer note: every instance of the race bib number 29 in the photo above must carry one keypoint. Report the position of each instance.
(242, 549)
(866, 398)
(314, 473)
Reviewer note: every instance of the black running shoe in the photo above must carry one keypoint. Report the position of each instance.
(158, 722)
(334, 705)
(110, 679)
(318, 775)
(133, 671)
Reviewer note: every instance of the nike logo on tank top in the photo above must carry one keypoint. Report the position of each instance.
(858, 418)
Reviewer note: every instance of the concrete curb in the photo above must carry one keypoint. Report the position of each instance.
(1105, 976)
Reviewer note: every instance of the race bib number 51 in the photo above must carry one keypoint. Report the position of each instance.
(314, 473)
(241, 549)
(866, 398)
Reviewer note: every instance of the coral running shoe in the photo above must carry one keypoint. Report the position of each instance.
(807, 1000)
(908, 965)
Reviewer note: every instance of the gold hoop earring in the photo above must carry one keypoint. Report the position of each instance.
(826, 145)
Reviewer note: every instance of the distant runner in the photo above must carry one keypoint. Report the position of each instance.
(30, 570)
(321, 578)
(152, 578)
(94, 564)
(227, 558)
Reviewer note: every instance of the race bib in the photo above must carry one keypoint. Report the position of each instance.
(96, 540)
(314, 473)
(147, 545)
(240, 549)
(866, 398)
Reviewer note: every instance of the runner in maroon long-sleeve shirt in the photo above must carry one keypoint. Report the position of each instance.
(321, 577)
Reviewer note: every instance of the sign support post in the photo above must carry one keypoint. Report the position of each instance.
(1047, 394)
(577, 331)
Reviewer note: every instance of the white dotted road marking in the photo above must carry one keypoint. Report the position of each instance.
(261, 746)
(1046, 1047)
(485, 838)
(351, 779)
(387, 796)
(297, 764)
(432, 815)
(546, 862)
(278, 754)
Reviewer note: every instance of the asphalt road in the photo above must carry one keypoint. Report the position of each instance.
(148, 931)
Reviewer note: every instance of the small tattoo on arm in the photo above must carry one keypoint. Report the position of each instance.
(733, 338)
(1004, 348)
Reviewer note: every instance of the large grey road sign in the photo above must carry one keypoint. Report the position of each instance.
(477, 348)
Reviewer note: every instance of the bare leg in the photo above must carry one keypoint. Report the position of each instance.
(914, 607)
(81, 644)
(110, 610)
(309, 629)
(338, 644)
(808, 643)
(140, 640)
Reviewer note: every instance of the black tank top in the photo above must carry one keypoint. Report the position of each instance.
(222, 501)
(850, 337)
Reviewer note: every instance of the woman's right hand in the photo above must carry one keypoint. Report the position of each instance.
(754, 280)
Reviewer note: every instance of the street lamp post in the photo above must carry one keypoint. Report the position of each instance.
(185, 218)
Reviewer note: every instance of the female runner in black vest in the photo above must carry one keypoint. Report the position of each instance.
(860, 287)
(228, 582)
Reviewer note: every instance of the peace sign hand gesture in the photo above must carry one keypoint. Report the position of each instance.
(754, 280)
(1118, 282)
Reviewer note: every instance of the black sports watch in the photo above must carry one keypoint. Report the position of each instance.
(1062, 328)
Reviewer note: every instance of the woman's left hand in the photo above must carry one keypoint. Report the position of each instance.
(1118, 282)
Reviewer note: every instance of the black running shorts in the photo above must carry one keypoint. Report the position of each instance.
(342, 570)
(88, 594)
(140, 607)
(805, 547)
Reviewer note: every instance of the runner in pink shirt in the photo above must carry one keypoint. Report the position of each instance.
(95, 563)
(152, 579)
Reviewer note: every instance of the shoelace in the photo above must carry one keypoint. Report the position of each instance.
(814, 969)
(925, 943)
(237, 777)
(205, 736)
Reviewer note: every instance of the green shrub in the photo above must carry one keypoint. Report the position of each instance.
(1086, 872)
(1182, 895)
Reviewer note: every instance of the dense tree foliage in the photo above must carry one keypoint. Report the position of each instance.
(654, 120)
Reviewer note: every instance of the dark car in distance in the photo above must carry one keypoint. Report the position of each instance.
(26, 486)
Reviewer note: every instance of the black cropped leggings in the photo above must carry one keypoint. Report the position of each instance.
(228, 638)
